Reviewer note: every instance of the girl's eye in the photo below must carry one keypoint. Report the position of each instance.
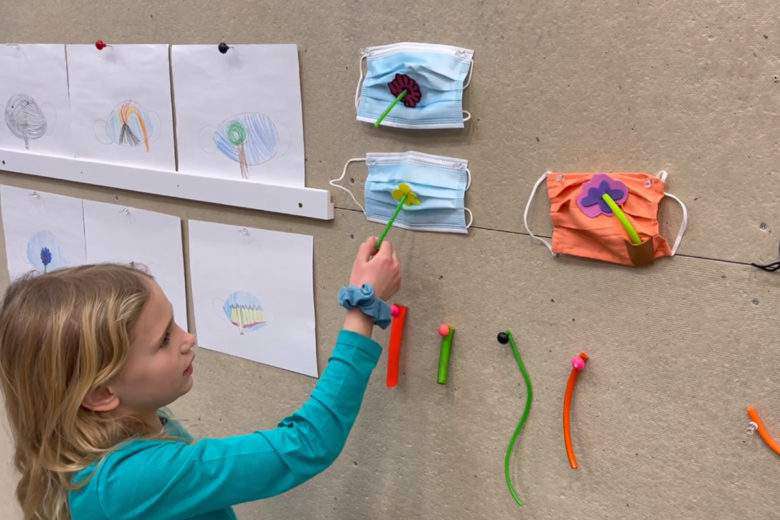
(166, 339)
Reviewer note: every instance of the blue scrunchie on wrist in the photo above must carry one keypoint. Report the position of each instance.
(363, 298)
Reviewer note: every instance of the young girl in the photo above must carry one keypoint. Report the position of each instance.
(88, 357)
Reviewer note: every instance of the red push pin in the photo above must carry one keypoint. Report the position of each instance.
(100, 44)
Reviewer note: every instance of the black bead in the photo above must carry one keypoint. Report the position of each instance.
(503, 338)
(223, 47)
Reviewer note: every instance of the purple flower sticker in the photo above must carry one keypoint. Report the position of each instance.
(590, 201)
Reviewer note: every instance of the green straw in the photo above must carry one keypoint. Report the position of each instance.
(398, 98)
(521, 424)
(632, 234)
(444, 357)
(391, 221)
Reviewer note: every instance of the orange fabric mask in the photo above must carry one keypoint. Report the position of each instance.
(593, 233)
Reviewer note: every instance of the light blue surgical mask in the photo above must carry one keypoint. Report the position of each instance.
(439, 182)
(440, 71)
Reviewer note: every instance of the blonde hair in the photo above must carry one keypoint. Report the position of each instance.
(63, 334)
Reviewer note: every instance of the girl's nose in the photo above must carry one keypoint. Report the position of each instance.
(189, 343)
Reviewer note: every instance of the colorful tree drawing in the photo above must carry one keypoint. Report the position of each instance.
(237, 136)
(128, 124)
(45, 257)
(244, 311)
(44, 252)
(249, 139)
(25, 118)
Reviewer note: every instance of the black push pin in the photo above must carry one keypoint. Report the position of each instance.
(503, 338)
(223, 47)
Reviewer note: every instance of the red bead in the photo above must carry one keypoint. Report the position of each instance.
(100, 44)
(444, 330)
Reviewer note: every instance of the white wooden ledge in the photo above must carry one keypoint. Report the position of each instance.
(291, 200)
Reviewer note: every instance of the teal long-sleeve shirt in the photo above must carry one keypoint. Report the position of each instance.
(166, 480)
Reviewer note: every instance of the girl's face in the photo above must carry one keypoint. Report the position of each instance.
(159, 363)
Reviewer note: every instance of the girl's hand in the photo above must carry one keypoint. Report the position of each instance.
(382, 270)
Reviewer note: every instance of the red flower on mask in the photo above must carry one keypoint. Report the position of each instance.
(403, 82)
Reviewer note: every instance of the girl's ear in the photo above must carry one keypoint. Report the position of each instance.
(100, 399)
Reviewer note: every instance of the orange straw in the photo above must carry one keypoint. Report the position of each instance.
(762, 431)
(577, 363)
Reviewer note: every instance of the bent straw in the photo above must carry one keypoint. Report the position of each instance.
(382, 117)
(632, 234)
(762, 431)
(567, 398)
(521, 424)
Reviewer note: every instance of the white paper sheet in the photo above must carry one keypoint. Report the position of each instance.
(43, 231)
(238, 114)
(253, 294)
(34, 98)
(150, 240)
(121, 104)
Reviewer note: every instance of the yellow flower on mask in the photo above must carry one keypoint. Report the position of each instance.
(405, 189)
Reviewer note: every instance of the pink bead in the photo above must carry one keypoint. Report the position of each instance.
(577, 363)
(394, 310)
(444, 330)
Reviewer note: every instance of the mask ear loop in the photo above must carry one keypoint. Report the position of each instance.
(465, 86)
(770, 267)
(360, 79)
(467, 210)
(528, 208)
(683, 226)
(334, 182)
(468, 76)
